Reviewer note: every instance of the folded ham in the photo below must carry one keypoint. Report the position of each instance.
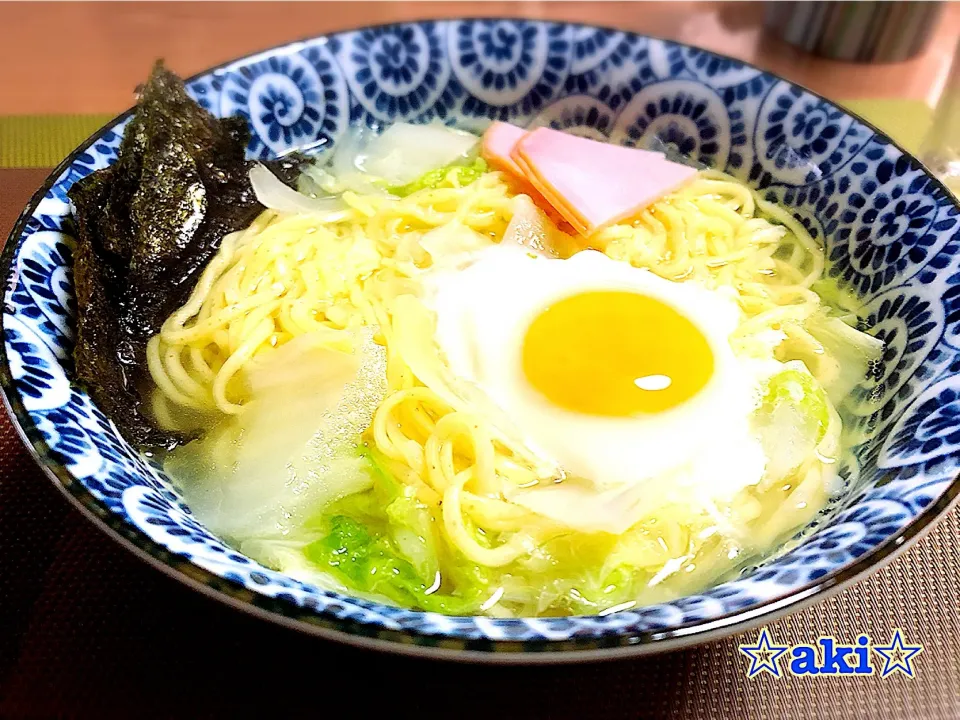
(591, 184)
(498, 143)
(496, 147)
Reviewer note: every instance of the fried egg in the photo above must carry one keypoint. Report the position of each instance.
(626, 380)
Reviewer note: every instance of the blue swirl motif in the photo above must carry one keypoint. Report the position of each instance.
(666, 60)
(398, 72)
(803, 138)
(206, 91)
(85, 442)
(948, 259)
(578, 114)
(595, 50)
(733, 81)
(46, 262)
(164, 519)
(941, 272)
(38, 376)
(721, 72)
(33, 293)
(741, 88)
(893, 220)
(292, 100)
(681, 114)
(612, 67)
(928, 432)
(851, 533)
(510, 70)
(890, 234)
(911, 324)
(163, 510)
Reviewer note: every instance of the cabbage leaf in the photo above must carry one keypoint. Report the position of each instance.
(793, 419)
(455, 175)
(392, 554)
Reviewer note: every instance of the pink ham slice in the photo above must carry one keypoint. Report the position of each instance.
(496, 148)
(594, 184)
(498, 143)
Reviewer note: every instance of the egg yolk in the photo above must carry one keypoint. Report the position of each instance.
(616, 354)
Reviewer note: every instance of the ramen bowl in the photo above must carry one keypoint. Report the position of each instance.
(891, 233)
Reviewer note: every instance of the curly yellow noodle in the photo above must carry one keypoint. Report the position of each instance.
(453, 522)
(288, 275)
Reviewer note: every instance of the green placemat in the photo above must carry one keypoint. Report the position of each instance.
(44, 140)
(906, 121)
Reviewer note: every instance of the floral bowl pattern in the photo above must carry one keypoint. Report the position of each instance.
(892, 234)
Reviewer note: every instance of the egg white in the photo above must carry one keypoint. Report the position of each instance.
(703, 447)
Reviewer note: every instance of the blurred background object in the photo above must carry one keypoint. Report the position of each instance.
(941, 147)
(874, 32)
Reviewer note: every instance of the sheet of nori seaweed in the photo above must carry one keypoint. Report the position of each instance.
(146, 227)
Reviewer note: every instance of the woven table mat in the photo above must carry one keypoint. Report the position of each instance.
(87, 630)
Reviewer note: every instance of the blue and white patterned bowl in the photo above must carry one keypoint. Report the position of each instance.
(891, 230)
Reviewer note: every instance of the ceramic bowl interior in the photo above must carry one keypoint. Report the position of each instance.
(891, 233)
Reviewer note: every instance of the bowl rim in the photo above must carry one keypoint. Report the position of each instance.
(234, 594)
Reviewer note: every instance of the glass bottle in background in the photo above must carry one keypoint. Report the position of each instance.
(858, 31)
(941, 148)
